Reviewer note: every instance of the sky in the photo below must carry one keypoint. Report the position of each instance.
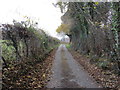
(43, 11)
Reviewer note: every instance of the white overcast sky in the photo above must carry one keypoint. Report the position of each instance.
(42, 10)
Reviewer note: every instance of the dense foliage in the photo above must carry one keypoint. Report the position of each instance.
(20, 41)
(95, 30)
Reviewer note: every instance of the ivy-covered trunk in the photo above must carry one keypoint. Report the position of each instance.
(116, 30)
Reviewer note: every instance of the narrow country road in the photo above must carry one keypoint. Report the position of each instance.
(67, 73)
